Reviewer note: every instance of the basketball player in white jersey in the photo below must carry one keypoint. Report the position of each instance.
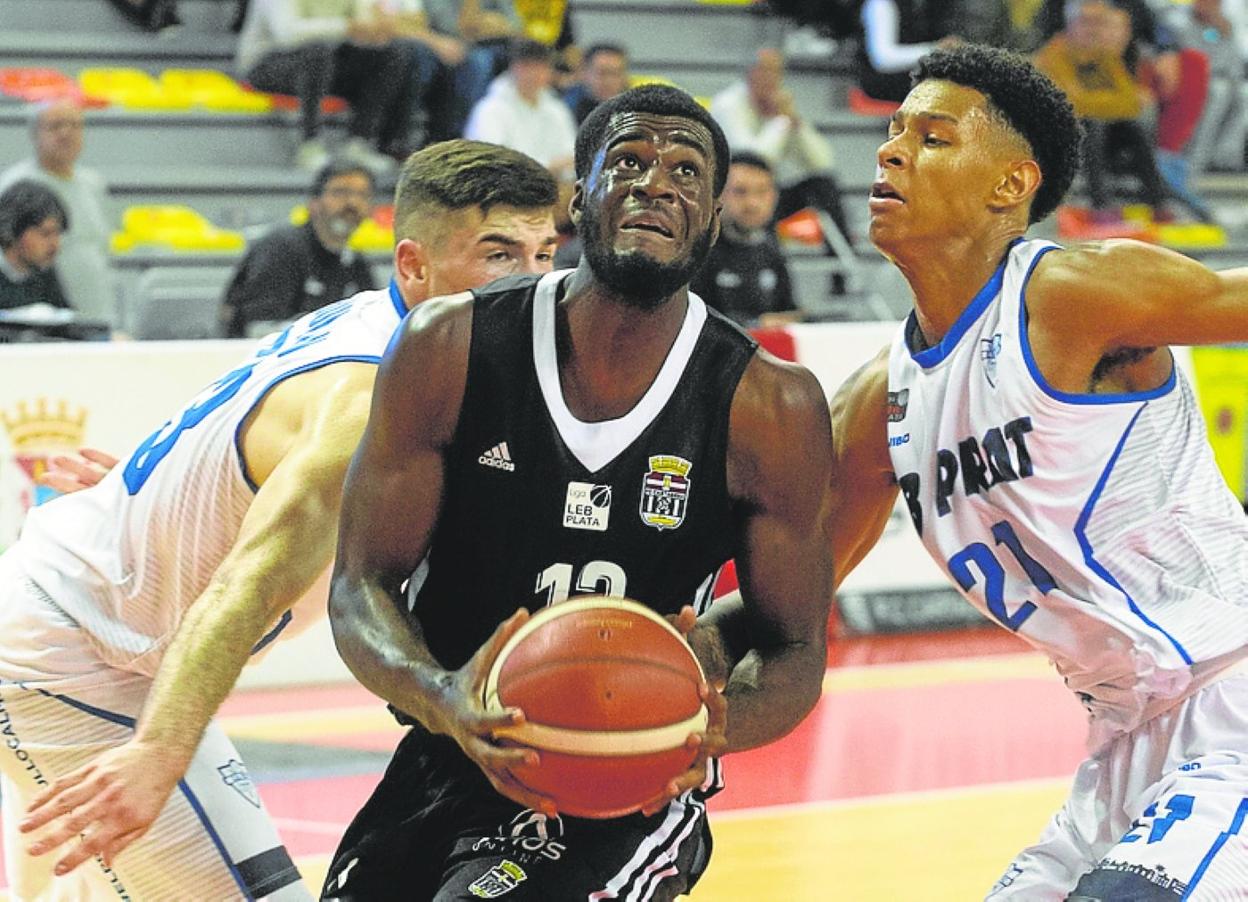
(1055, 464)
(127, 610)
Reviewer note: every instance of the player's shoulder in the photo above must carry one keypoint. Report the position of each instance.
(1090, 266)
(777, 399)
(507, 287)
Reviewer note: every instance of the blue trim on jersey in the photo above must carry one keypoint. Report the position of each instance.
(929, 357)
(282, 623)
(1081, 526)
(1124, 398)
(111, 716)
(400, 307)
(216, 840)
(264, 393)
(1236, 823)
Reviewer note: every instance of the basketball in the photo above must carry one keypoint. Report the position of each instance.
(609, 690)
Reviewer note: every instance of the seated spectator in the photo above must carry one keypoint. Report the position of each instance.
(295, 269)
(758, 115)
(745, 276)
(604, 73)
(57, 131)
(895, 34)
(521, 111)
(314, 49)
(1221, 135)
(1087, 60)
(31, 222)
(486, 27)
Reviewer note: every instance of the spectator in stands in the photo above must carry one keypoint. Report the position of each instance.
(487, 28)
(758, 115)
(895, 34)
(1223, 130)
(604, 73)
(154, 15)
(521, 111)
(57, 131)
(1087, 60)
(31, 222)
(296, 269)
(319, 47)
(745, 276)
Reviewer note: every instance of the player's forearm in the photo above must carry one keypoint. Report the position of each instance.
(770, 691)
(199, 669)
(384, 650)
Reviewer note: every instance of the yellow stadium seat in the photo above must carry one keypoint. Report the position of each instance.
(175, 227)
(131, 88)
(372, 235)
(215, 91)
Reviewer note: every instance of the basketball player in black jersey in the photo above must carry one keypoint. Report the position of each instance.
(516, 446)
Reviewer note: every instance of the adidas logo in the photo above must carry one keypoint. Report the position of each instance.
(498, 457)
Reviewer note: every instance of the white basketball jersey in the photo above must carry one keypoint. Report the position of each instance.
(1097, 527)
(126, 558)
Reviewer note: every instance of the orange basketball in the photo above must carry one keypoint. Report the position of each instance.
(609, 690)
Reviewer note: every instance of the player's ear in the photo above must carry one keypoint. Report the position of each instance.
(411, 269)
(577, 204)
(1018, 184)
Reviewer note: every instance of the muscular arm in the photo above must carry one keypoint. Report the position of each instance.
(779, 470)
(392, 499)
(860, 496)
(1096, 299)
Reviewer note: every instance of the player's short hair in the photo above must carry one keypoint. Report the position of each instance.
(658, 100)
(753, 160)
(460, 174)
(336, 167)
(24, 205)
(1026, 101)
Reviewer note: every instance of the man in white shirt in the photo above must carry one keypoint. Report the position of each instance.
(758, 116)
(82, 264)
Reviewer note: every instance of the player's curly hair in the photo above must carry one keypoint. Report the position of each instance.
(1027, 101)
(659, 100)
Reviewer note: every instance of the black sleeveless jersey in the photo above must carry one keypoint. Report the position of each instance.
(538, 506)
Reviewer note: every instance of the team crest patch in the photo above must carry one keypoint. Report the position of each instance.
(989, 351)
(665, 491)
(897, 403)
(234, 775)
(498, 880)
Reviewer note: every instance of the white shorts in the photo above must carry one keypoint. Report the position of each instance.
(1158, 813)
(60, 706)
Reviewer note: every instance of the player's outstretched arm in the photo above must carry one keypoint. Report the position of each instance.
(285, 542)
(392, 499)
(1108, 295)
(779, 471)
(861, 495)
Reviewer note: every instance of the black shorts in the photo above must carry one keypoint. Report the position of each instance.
(434, 829)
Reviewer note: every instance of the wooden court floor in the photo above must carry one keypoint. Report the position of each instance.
(927, 765)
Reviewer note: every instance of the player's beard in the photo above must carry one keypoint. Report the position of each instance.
(638, 280)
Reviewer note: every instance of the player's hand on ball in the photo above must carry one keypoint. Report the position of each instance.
(67, 473)
(708, 744)
(109, 803)
(467, 721)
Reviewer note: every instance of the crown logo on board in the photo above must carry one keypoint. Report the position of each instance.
(45, 424)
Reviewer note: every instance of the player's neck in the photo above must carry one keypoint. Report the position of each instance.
(609, 351)
(945, 279)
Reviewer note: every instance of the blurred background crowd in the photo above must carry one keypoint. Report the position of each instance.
(211, 168)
